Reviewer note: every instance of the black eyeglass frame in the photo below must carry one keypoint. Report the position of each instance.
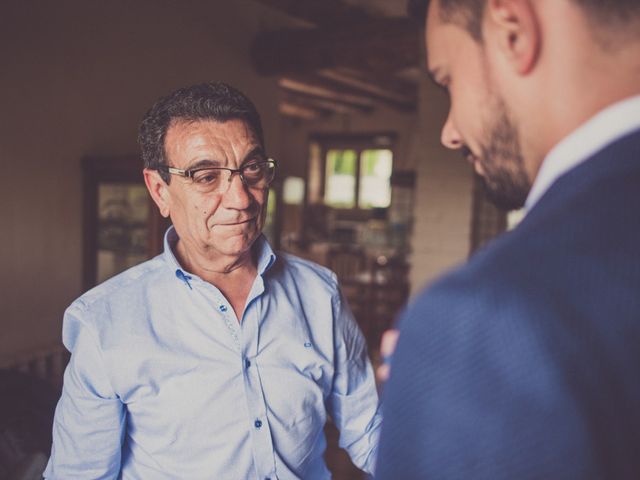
(190, 172)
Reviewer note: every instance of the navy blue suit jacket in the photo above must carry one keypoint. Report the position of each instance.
(525, 363)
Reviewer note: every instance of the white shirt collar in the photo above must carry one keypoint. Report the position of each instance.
(602, 129)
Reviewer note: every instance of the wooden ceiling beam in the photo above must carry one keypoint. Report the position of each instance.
(397, 93)
(381, 45)
(331, 106)
(319, 12)
(295, 110)
(320, 86)
(316, 89)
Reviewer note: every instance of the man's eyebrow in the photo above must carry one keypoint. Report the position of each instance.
(435, 75)
(257, 153)
(204, 163)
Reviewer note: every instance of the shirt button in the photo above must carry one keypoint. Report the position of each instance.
(258, 423)
(223, 308)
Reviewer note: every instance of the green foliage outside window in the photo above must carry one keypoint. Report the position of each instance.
(373, 181)
(341, 178)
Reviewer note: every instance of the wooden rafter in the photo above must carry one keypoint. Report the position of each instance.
(381, 45)
(331, 106)
(319, 12)
(397, 93)
(292, 109)
(312, 88)
(346, 65)
(353, 89)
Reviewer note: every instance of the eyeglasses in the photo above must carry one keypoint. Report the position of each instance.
(218, 179)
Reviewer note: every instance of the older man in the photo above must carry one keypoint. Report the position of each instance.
(217, 359)
(525, 363)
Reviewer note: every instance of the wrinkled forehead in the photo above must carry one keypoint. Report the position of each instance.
(236, 128)
(191, 141)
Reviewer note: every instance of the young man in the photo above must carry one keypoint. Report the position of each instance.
(217, 359)
(525, 363)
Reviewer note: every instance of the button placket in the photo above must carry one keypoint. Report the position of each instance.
(229, 322)
(262, 443)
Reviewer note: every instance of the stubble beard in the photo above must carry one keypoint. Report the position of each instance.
(505, 178)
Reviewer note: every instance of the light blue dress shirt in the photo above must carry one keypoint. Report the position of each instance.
(165, 383)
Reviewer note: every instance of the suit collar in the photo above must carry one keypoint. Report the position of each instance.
(607, 126)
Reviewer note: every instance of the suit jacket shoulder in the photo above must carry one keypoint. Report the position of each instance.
(528, 355)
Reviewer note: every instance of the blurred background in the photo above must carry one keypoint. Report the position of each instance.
(363, 185)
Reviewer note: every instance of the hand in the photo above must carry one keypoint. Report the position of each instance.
(387, 347)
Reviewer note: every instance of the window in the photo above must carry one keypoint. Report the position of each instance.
(340, 179)
(375, 176)
(293, 191)
(358, 177)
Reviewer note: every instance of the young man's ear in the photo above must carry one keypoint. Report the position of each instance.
(158, 190)
(515, 29)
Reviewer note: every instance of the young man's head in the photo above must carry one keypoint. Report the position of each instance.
(513, 70)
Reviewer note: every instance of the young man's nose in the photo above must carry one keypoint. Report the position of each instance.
(450, 137)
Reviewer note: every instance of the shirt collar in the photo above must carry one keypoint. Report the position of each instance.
(265, 256)
(605, 127)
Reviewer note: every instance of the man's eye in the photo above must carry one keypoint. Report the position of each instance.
(206, 177)
(252, 168)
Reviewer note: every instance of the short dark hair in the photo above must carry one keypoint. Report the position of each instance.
(468, 13)
(612, 15)
(207, 101)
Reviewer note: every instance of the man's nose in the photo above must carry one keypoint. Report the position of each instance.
(450, 137)
(237, 196)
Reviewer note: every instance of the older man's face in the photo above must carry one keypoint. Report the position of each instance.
(225, 223)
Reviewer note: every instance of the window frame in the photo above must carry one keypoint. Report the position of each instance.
(359, 143)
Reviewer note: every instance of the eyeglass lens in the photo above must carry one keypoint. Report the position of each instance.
(256, 175)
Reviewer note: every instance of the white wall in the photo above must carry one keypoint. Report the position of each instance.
(76, 76)
(442, 213)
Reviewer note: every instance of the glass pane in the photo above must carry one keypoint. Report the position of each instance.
(123, 211)
(293, 191)
(375, 176)
(340, 183)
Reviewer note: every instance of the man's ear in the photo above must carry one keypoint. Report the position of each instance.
(515, 27)
(158, 190)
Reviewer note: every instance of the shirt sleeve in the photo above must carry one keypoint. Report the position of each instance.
(354, 399)
(89, 421)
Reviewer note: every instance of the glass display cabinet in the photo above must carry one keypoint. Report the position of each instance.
(122, 225)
